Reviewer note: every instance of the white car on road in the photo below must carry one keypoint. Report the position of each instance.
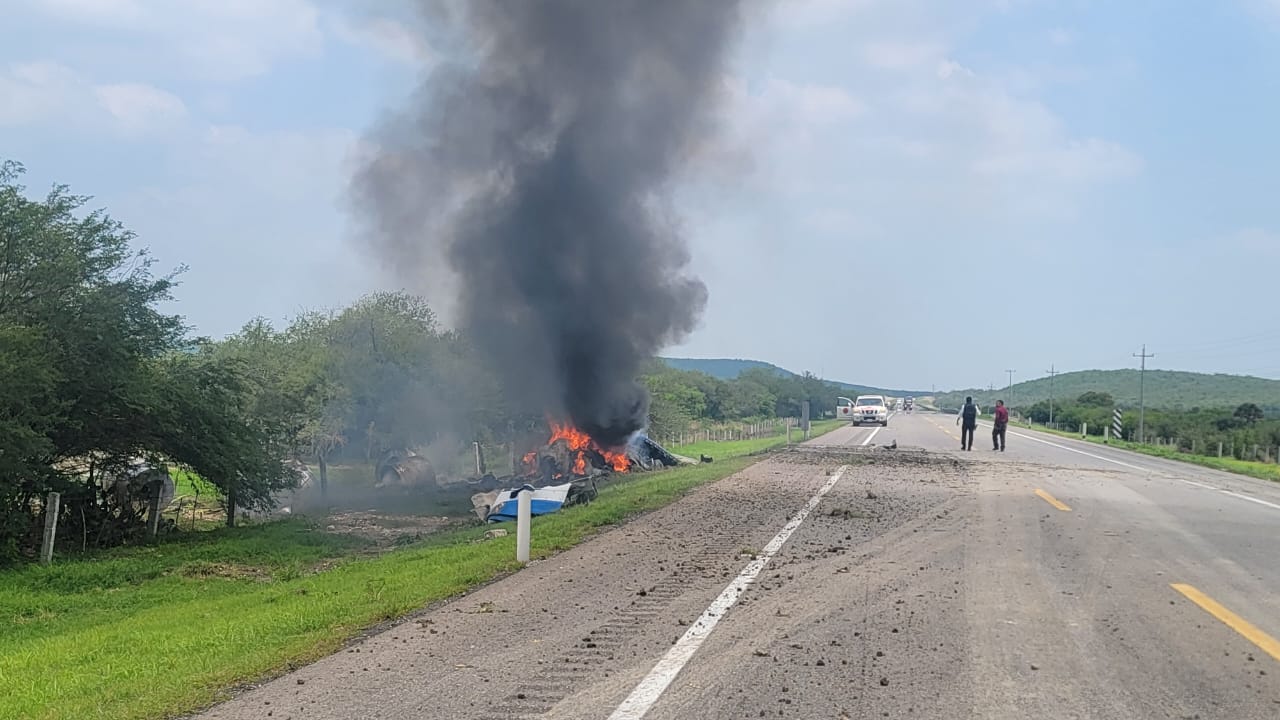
(870, 409)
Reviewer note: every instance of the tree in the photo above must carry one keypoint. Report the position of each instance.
(1096, 399)
(97, 378)
(1249, 413)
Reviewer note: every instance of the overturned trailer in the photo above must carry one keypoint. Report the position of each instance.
(563, 473)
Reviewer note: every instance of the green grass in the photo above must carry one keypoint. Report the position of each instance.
(150, 632)
(1260, 470)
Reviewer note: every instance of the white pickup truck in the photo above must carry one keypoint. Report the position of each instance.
(866, 409)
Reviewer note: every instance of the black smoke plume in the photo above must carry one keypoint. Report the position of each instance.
(538, 166)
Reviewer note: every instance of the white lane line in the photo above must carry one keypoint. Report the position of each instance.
(869, 438)
(1249, 498)
(1080, 452)
(642, 698)
(1224, 491)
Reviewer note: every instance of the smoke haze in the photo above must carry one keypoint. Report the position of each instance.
(537, 168)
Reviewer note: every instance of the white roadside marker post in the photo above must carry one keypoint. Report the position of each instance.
(524, 517)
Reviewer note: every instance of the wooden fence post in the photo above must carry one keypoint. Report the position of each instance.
(153, 509)
(51, 505)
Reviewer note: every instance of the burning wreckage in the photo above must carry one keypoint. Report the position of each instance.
(564, 472)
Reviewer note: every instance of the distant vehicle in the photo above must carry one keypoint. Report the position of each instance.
(908, 403)
(870, 409)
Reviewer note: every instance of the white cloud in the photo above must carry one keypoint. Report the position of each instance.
(996, 133)
(899, 55)
(138, 107)
(1073, 161)
(33, 91)
(809, 104)
(50, 94)
(811, 13)
(389, 37)
(947, 68)
(113, 12)
(1266, 9)
(773, 126)
(222, 40)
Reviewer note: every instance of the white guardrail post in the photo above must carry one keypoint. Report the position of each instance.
(524, 517)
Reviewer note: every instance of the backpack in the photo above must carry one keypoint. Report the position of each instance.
(970, 413)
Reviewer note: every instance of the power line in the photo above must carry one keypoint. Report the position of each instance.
(1010, 389)
(1141, 398)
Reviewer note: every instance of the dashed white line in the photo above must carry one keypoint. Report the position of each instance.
(643, 697)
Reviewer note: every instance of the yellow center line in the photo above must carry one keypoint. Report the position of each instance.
(943, 429)
(1053, 501)
(1269, 645)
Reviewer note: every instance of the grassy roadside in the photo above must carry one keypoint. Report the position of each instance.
(155, 631)
(1259, 470)
(734, 448)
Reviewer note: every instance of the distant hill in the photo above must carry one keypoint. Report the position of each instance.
(728, 369)
(723, 368)
(1169, 389)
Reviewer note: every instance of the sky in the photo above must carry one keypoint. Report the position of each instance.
(901, 193)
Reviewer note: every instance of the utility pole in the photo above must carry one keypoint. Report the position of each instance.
(1142, 406)
(1009, 390)
(1052, 372)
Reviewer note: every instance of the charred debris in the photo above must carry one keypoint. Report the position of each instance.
(569, 465)
(563, 472)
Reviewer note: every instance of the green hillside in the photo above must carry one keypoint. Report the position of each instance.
(730, 368)
(722, 368)
(1171, 389)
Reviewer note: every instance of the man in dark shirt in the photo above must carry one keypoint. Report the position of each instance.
(1001, 424)
(969, 417)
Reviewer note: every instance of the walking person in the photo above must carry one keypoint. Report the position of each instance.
(969, 416)
(1000, 426)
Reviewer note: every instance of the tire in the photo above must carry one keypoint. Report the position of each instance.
(884, 424)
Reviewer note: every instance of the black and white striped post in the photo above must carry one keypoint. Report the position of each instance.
(1117, 424)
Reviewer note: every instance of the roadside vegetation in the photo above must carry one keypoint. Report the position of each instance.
(1244, 433)
(149, 632)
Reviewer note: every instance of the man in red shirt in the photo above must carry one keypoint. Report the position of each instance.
(1001, 424)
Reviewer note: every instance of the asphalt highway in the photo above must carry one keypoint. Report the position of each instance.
(1057, 579)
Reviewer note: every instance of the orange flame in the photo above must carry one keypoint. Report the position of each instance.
(579, 443)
